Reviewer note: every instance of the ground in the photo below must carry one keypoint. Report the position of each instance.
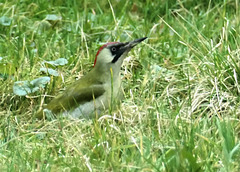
(181, 86)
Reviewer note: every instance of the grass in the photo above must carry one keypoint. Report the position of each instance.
(181, 107)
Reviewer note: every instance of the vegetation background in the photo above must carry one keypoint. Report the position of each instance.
(181, 109)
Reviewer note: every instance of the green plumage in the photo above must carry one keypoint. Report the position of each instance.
(84, 90)
(99, 89)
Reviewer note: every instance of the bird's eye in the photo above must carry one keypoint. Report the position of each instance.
(113, 49)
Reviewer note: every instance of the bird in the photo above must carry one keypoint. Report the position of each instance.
(97, 90)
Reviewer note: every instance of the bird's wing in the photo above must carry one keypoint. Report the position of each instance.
(76, 94)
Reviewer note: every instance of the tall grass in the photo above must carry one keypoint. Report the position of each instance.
(181, 87)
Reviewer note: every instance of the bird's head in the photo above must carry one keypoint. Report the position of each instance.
(113, 53)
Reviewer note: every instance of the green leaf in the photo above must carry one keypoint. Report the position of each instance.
(53, 17)
(40, 82)
(58, 62)
(21, 88)
(156, 68)
(5, 21)
(49, 71)
(41, 136)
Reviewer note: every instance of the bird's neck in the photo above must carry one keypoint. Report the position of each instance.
(107, 73)
(110, 78)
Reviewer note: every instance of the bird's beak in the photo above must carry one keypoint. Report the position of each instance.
(130, 45)
(125, 48)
